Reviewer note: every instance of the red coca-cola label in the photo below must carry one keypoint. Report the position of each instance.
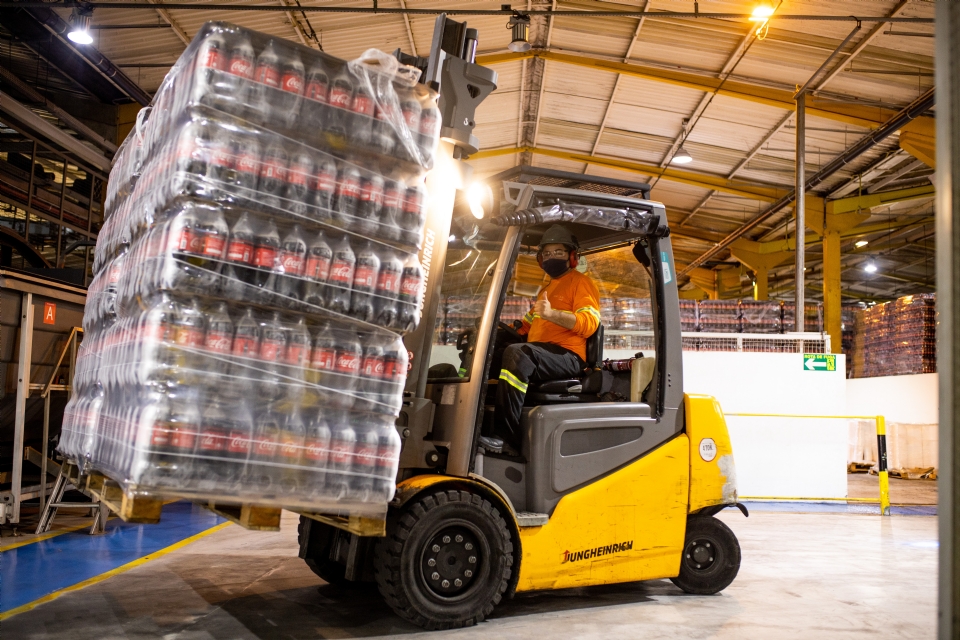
(428, 122)
(289, 449)
(413, 201)
(265, 447)
(238, 443)
(388, 282)
(324, 358)
(189, 241)
(292, 82)
(364, 277)
(213, 245)
(213, 439)
(411, 115)
(189, 336)
(240, 251)
(316, 450)
(316, 91)
(271, 350)
(339, 97)
(214, 59)
(347, 362)
(410, 286)
(299, 175)
(318, 268)
(160, 436)
(349, 188)
(267, 74)
(292, 263)
(385, 112)
(218, 342)
(366, 455)
(295, 354)
(244, 345)
(222, 156)
(372, 367)
(326, 181)
(341, 453)
(273, 167)
(392, 197)
(182, 438)
(264, 257)
(392, 371)
(247, 163)
(341, 272)
(372, 191)
(363, 104)
(241, 66)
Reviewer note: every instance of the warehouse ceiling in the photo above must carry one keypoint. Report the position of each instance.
(617, 96)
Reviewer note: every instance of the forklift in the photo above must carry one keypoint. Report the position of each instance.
(620, 473)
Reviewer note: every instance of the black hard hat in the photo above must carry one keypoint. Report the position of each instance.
(558, 234)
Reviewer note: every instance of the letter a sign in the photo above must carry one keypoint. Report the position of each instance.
(49, 313)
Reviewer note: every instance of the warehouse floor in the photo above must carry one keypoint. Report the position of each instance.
(808, 575)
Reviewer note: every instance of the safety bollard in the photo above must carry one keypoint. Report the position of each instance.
(882, 466)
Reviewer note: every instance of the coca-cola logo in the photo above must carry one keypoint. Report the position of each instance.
(292, 83)
(340, 454)
(239, 444)
(341, 272)
(315, 451)
(298, 175)
(348, 362)
(339, 97)
(363, 277)
(363, 104)
(247, 164)
(290, 449)
(242, 67)
(219, 342)
(266, 446)
(349, 188)
(410, 286)
(292, 263)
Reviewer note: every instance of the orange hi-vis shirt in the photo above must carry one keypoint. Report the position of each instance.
(572, 292)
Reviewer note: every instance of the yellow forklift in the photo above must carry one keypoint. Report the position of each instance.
(620, 472)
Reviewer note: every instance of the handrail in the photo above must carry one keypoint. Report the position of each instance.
(881, 445)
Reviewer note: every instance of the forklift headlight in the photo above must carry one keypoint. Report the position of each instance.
(479, 197)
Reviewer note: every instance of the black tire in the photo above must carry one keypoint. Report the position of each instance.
(317, 553)
(711, 557)
(456, 530)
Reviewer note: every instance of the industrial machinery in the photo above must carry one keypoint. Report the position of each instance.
(620, 473)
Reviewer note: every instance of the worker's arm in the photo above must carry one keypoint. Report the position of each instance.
(525, 323)
(565, 319)
(586, 301)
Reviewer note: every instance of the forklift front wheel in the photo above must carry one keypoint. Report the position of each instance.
(711, 557)
(446, 560)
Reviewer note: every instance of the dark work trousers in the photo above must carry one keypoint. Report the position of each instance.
(524, 363)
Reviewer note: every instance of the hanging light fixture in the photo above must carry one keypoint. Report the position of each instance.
(80, 25)
(860, 243)
(682, 156)
(870, 267)
(520, 24)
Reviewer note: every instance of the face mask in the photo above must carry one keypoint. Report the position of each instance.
(556, 267)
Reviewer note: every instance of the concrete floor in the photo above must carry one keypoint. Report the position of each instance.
(865, 485)
(804, 575)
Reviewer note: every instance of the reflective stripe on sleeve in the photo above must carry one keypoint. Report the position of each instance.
(513, 381)
(593, 311)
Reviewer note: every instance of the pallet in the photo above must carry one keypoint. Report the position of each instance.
(360, 525)
(253, 517)
(131, 506)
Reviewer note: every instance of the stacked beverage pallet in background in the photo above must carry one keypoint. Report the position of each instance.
(719, 316)
(760, 316)
(255, 272)
(689, 315)
(895, 338)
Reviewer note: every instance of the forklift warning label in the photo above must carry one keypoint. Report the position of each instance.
(596, 552)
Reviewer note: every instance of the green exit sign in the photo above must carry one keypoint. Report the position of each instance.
(819, 362)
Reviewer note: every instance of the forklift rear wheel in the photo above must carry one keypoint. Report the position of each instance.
(711, 557)
(446, 560)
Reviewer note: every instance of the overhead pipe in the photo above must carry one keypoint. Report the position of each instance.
(912, 111)
(101, 63)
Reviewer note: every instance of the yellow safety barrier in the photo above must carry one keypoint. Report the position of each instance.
(881, 448)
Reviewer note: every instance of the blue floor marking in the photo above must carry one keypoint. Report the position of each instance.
(32, 571)
(839, 507)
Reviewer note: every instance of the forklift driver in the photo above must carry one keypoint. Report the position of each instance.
(566, 313)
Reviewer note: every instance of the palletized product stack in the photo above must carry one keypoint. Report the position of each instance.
(689, 315)
(760, 316)
(896, 338)
(254, 276)
(719, 316)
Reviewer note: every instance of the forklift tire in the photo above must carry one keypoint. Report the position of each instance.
(322, 536)
(446, 560)
(711, 557)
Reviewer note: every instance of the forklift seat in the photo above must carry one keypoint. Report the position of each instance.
(583, 389)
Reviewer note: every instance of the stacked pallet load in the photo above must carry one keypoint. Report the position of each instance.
(689, 315)
(896, 338)
(760, 316)
(254, 276)
(719, 316)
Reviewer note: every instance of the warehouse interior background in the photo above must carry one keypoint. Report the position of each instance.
(714, 104)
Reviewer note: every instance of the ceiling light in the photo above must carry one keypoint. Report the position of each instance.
(682, 156)
(860, 243)
(762, 13)
(520, 24)
(478, 195)
(80, 25)
(870, 267)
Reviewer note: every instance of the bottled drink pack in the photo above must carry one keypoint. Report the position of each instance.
(254, 276)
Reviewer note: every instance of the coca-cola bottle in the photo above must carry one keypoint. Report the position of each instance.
(213, 468)
(413, 216)
(293, 262)
(323, 357)
(239, 442)
(341, 98)
(212, 234)
(273, 344)
(363, 107)
(364, 283)
(236, 272)
(266, 247)
(245, 370)
(369, 204)
(218, 341)
(296, 356)
(393, 194)
(259, 476)
(317, 270)
(316, 455)
(173, 438)
(364, 460)
(410, 111)
(348, 195)
(411, 282)
(246, 169)
(341, 277)
(429, 133)
(388, 289)
(266, 78)
(220, 172)
(292, 87)
(371, 375)
(394, 374)
(211, 60)
(189, 339)
(383, 138)
(194, 155)
(343, 443)
(347, 370)
(318, 85)
(324, 188)
(241, 69)
(290, 452)
(314, 110)
(300, 183)
(388, 458)
(272, 181)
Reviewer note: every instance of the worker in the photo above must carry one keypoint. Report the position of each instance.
(565, 314)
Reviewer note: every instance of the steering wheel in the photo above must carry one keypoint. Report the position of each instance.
(509, 329)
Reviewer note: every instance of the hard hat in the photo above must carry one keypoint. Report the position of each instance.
(558, 234)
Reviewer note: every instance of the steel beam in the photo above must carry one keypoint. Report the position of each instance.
(800, 199)
(177, 29)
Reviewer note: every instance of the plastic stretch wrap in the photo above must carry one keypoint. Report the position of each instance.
(637, 220)
(896, 338)
(253, 278)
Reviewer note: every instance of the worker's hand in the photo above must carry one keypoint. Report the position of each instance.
(543, 309)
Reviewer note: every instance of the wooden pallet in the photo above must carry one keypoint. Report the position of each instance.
(248, 516)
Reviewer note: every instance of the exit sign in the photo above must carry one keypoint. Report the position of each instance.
(819, 362)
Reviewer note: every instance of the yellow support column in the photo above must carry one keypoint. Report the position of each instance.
(831, 290)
